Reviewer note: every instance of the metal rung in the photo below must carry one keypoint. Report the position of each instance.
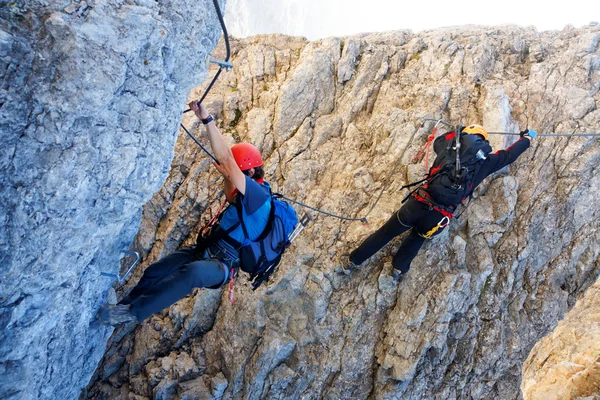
(223, 64)
(300, 227)
(122, 279)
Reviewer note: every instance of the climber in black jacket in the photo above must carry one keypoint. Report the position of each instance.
(429, 208)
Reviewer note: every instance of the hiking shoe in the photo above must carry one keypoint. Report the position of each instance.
(345, 265)
(115, 314)
(397, 275)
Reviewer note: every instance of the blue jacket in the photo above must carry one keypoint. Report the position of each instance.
(256, 208)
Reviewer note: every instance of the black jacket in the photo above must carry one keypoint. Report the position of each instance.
(500, 159)
(494, 161)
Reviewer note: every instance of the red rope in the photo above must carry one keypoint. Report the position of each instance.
(426, 149)
(231, 273)
(210, 224)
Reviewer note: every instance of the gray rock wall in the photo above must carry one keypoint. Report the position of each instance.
(331, 118)
(91, 97)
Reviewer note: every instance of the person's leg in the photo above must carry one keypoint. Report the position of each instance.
(411, 245)
(402, 220)
(158, 271)
(197, 274)
(407, 251)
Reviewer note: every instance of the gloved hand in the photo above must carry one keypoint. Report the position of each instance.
(528, 132)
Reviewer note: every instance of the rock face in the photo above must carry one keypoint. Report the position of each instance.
(331, 118)
(91, 97)
(566, 364)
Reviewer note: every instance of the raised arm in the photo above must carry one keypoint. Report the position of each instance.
(502, 158)
(227, 165)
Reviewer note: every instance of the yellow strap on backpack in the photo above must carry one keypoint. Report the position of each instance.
(442, 224)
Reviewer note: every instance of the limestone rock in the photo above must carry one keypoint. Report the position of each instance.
(566, 363)
(477, 298)
(90, 102)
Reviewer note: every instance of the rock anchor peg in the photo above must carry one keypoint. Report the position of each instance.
(122, 278)
(223, 64)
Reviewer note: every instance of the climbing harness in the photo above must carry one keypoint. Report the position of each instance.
(121, 279)
(424, 198)
(442, 224)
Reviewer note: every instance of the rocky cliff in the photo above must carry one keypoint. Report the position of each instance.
(332, 118)
(566, 364)
(91, 98)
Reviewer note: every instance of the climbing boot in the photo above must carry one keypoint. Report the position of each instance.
(115, 314)
(397, 275)
(345, 265)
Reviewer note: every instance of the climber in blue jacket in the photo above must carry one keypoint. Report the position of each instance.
(211, 263)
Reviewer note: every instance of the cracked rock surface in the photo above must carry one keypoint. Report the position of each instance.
(566, 363)
(331, 118)
(90, 101)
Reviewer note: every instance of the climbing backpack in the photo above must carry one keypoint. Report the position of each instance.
(261, 257)
(451, 177)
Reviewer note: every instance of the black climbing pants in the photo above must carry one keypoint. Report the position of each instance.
(413, 214)
(172, 278)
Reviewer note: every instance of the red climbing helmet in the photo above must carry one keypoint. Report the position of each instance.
(246, 156)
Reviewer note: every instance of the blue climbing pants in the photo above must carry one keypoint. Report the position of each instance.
(172, 278)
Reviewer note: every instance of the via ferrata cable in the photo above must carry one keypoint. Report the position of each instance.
(228, 53)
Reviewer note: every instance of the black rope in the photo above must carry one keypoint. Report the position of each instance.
(518, 134)
(394, 169)
(226, 38)
(364, 219)
(548, 134)
(228, 51)
(207, 89)
(200, 144)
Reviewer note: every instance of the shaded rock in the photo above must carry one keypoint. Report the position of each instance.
(195, 390)
(90, 102)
